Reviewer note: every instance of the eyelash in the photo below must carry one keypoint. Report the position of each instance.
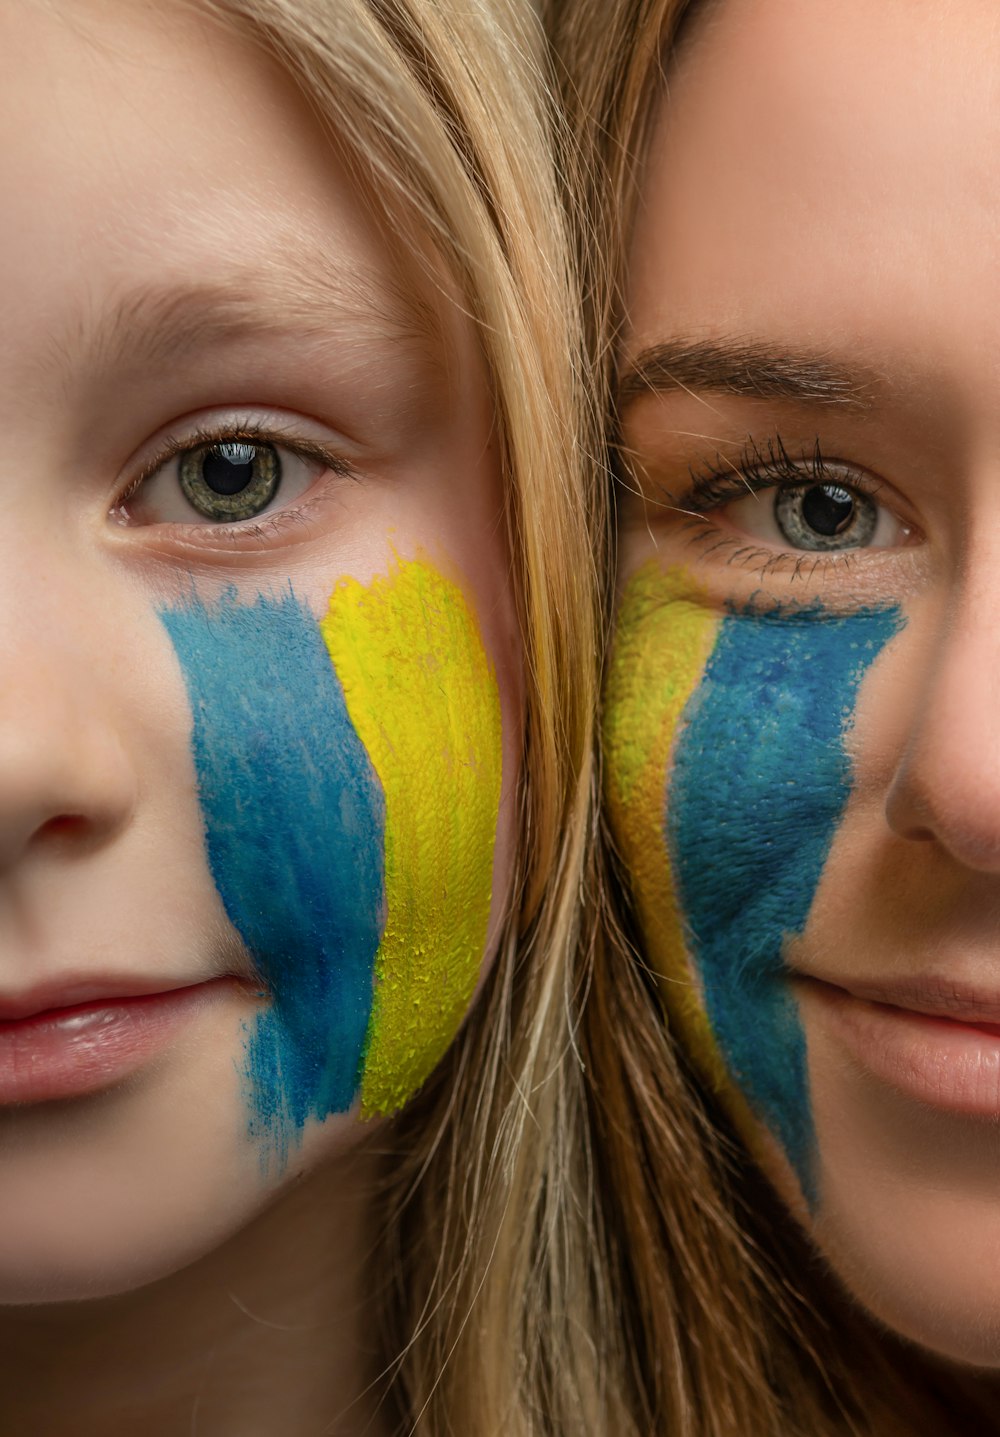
(765, 466)
(246, 431)
(758, 467)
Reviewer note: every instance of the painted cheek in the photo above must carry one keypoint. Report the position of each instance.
(423, 697)
(740, 721)
(349, 778)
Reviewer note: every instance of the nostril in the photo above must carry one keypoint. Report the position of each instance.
(66, 826)
(908, 811)
(67, 783)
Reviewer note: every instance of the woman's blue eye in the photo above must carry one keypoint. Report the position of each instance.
(816, 517)
(825, 516)
(230, 480)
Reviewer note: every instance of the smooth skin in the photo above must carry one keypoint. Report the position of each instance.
(824, 181)
(181, 246)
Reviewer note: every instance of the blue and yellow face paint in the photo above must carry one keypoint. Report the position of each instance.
(727, 777)
(349, 776)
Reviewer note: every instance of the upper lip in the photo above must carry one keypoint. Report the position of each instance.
(935, 995)
(71, 992)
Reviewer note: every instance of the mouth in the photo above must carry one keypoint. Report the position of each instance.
(934, 1041)
(78, 1041)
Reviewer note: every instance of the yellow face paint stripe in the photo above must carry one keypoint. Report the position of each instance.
(664, 634)
(422, 696)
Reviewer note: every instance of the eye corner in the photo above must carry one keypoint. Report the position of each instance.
(227, 473)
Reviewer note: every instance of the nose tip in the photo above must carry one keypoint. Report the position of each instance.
(64, 778)
(963, 818)
(946, 787)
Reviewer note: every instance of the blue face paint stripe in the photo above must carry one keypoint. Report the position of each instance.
(294, 821)
(759, 783)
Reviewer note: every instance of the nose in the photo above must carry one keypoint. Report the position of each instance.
(946, 787)
(64, 774)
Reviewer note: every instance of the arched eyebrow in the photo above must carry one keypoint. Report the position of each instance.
(748, 368)
(161, 324)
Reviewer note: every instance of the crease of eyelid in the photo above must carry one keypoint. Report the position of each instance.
(630, 457)
(721, 459)
(736, 467)
(620, 447)
(708, 438)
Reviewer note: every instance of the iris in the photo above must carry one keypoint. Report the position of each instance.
(230, 480)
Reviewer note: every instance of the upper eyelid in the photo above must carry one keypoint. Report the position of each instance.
(756, 469)
(250, 429)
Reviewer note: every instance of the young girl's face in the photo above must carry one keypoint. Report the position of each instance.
(803, 713)
(261, 674)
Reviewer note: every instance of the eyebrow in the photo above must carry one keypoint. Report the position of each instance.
(751, 369)
(158, 325)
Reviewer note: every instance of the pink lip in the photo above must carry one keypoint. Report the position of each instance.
(930, 1040)
(76, 1045)
(74, 992)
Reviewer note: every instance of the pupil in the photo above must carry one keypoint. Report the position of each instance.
(828, 509)
(228, 468)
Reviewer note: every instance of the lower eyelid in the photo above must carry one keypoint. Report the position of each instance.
(732, 550)
(274, 528)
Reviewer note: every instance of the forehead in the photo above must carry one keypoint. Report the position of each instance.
(833, 163)
(148, 150)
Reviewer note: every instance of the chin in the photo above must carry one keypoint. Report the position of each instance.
(81, 1239)
(907, 1205)
(939, 1290)
(908, 1217)
(105, 1194)
(53, 1267)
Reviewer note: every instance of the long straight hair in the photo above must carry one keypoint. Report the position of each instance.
(734, 1322)
(483, 1273)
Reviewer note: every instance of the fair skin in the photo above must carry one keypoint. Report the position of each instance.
(149, 158)
(819, 213)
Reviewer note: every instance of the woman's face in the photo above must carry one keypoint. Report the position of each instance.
(803, 714)
(257, 642)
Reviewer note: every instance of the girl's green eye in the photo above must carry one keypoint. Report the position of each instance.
(230, 480)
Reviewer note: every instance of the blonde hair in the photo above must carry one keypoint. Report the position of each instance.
(735, 1324)
(484, 1273)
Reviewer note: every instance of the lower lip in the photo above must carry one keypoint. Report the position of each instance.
(69, 1052)
(940, 1062)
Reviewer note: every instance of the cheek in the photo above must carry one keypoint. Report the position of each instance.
(727, 781)
(423, 696)
(349, 776)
